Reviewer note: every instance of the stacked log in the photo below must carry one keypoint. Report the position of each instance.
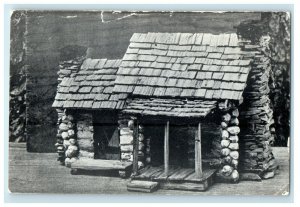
(257, 120)
(85, 136)
(126, 141)
(230, 146)
(66, 145)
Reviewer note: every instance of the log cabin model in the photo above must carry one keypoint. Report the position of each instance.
(178, 111)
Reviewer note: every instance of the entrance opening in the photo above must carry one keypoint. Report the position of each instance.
(156, 135)
(106, 136)
(181, 143)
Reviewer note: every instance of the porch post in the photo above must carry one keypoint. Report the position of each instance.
(198, 156)
(166, 149)
(135, 147)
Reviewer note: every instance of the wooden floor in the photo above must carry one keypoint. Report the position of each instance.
(41, 173)
(175, 174)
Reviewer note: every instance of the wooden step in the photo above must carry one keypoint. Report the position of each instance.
(142, 186)
(185, 186)
(101, 165)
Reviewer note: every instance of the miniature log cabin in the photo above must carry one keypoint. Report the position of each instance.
(179, 110)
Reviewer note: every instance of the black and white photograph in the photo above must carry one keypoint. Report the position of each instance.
(150, 102)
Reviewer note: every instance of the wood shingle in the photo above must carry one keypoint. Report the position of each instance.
(171, 67)
(93, 82)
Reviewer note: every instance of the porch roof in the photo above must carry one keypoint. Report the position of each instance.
(170, 107)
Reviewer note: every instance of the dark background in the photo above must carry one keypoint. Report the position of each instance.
(39, 40)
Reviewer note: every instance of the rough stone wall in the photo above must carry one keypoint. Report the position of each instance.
(17, 104)
(280, 47)
(278, 26)
(256, 117)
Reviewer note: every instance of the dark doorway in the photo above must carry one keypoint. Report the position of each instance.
(182, 146)
(106, 136)
(156, 135)
(181, 143)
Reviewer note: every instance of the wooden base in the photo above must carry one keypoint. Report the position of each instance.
(142, 186)
(123, 168)
(185, 186)
(178, 178)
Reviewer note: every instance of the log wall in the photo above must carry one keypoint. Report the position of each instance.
(126, 127)
(228, 170)
(85, 135)
(67, 146)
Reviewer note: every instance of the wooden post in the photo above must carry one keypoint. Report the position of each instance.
(135, 148)
(166, 149)
(198, 156)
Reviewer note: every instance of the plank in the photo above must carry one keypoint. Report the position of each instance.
(195, 178)
(92, 164)
(142, 184)
(181, 174)
(18, 145)
(185, 186)
(164, 176)
(145, 190)
(158, 173)
(147, 174)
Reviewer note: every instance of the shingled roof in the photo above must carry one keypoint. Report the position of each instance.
(184, 65)
(91, 87)
(170, 107)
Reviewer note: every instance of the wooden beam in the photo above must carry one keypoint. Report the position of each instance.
(135, 148)
(166, 149)
(198, 156)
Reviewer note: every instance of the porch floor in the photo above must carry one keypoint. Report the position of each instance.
(177, 179)
(175, 174)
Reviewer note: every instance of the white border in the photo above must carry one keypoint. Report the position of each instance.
(117, 3)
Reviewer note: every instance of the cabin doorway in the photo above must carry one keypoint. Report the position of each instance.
(181, 145)
(106, 136)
